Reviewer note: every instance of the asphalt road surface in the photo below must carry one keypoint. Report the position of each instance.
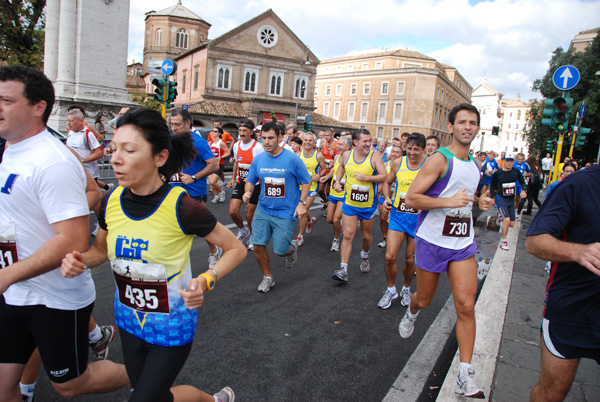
(309, 339)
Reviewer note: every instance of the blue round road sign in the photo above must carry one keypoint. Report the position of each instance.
(169, 67)
(565, 77)
(582, 111)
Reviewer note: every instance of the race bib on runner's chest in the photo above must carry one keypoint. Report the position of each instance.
(143, 287)
(456, 226)
(275, 187)
(8, 246)
(243, 169)
(359, 193)
(402, 205)
(508, 189)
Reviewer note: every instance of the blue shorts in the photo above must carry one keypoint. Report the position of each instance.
(266, 226)
(488, 180)
(403, 222)
(313, 193)
(362, 213)
(567, 341)
(335, 200)
(381, 200)
(432, 258)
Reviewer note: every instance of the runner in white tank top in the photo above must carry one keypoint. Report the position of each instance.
(444, 192)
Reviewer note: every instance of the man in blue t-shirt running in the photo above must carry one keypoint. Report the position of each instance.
(281, 202)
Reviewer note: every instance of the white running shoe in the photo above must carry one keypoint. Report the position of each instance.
(465, 384)
(407, 325)
(382, 244)
(222, 196)
(386, 300)
(213, 258)
(225, 395)
(365, 266)
(266, 284)
(335, 245)
(243, 233)
(504, 245)
(406, 295)
(215, 199)
(250, 247)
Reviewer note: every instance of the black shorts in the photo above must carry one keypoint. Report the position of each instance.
(152, 369)
(220, 170)
(201, 198)
(238, 193)
(571, 341)
(60, 335)
(507, 208)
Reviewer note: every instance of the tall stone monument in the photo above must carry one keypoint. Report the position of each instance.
(86, 56)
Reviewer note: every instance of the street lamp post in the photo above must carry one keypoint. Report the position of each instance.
(299, 85)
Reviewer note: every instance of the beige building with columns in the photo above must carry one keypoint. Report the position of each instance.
(391, 92)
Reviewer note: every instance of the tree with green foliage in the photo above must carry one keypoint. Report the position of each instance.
(587, 90)
(146, 101)
(22, 32)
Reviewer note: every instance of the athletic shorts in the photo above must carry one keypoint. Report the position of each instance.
(432, 258)
(507, 208)
(315, 192)
(60, 335)
(362, 213)
(200, 198)
(265, 226)
(403, 222)
(571, 341)
(160, 366)
(238, 193)
(335, 200)
(487, 181)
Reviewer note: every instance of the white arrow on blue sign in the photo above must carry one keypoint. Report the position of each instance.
(169, 67)
(565, 77)
(582, 111)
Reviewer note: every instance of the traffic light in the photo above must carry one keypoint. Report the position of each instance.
(171, 93)
(160, 89)
(309, 127)
(581, 136)
(548, 112)
(568, 136)
(560, 118)
(551, 145)
(495, 130)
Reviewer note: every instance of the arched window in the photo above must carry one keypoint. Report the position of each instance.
(181, 39)
(223, 77)
(518, 115)
(158, 41)
(300, 87)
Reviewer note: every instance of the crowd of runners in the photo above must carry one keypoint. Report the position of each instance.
(423, 193)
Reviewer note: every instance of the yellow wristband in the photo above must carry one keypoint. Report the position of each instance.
(210, 281)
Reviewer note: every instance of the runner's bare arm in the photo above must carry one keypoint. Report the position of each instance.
(248, 190)
(433, 169)
(75, 263)
(71, 234)
(381, 171)
(341, 171)
(548, 247)
(387, 184)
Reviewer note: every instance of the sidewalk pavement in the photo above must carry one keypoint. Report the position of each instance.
(509, 316)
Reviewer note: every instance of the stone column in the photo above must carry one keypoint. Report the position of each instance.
(67, 50)
(51, 42)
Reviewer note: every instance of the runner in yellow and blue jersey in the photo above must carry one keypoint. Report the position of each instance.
(364, 169)
(384, 213)
(147, 229)
(336, 198)
(315, 165)
(403, 220)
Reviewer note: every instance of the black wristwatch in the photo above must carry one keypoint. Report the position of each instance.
(194, 177)
(303, 202)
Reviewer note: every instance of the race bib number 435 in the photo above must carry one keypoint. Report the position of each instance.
(143, 287)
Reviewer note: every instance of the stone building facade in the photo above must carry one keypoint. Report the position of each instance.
(391, 92)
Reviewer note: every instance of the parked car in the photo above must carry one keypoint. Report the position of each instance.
(204, 132)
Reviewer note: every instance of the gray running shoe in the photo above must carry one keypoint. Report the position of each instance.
(406, 295)
(291, 259)
(365, 266)
(213, 258)
(386, 299)
(407, 325)
(382, 244)
(340, 275)
(225, 395)
(335, 245)
(222, 196)
(100, 348)
(465, 384)
(266, 284)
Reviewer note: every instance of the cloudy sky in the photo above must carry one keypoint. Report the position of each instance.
(507, 41)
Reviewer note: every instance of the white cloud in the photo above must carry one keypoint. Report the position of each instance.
(510, 41)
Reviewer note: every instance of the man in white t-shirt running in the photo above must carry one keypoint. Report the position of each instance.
(547, 167)
(43, 216)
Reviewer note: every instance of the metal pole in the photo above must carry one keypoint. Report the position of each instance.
(561, 137)
(298, 93)
(165, 94)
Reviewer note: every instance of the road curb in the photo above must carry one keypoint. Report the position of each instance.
(490, 312)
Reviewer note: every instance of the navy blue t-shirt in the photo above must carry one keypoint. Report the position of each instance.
(571, 213)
